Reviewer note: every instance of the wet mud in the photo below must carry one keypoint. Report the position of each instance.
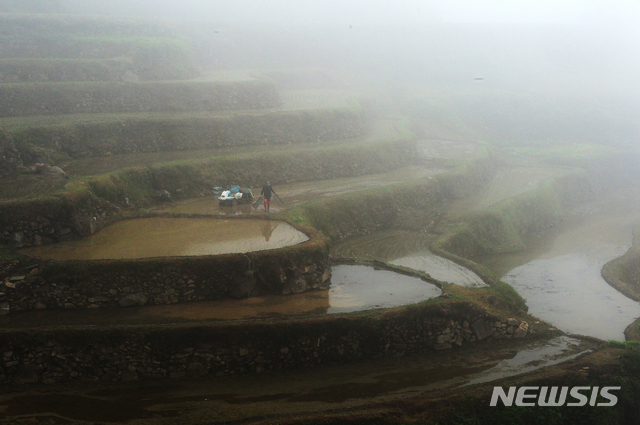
(297, 193)
(167, 237)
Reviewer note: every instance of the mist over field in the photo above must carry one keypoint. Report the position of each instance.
(559, 71)
(288, 207)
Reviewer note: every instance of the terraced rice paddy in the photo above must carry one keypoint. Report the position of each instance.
(171, 237)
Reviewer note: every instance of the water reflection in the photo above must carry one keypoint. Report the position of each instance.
(165, 237)
(536, 355)
(440, 268)
(353, 288)
(569, 292)
(407, 249)
(267, 229)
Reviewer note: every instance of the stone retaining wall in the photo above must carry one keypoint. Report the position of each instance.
(36, 284)
(208, 350)
(53, 219)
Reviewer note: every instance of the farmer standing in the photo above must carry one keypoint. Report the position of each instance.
(266, 192)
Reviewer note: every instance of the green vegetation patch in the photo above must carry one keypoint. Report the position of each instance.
(506, 226)
(137, 133)
(623, 273)
(75, 98)
(410, 205)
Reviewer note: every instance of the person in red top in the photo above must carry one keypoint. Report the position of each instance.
(266, 192)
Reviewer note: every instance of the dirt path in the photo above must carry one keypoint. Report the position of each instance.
(297, 193)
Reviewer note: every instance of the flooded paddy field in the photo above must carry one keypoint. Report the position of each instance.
(440, 268)
(407, 249)
(168, 237)
(564, 285)
(560, 277)
(273, 394)
(569, 292)
(353, 288)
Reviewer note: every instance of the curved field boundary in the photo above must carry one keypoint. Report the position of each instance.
(160, 352)
(94, 98)
(623, 273)
(178, 132)
(86, 205)
(169, 280)
(507, 225)
(411, 205)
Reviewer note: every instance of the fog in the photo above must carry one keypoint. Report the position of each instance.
(545, 69)
(113, 110)
(356, 12)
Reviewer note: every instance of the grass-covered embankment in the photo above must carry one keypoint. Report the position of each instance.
(46, 48)
(623, 273)
(411, 205)
(80, 136)
(190, 178)
(251, 170)
(102, 97)
(55, 70)
(510, 225)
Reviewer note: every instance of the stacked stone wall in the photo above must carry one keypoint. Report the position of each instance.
(201, 351)
(35, 284)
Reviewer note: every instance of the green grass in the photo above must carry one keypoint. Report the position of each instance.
(506, 226)
(7, 253)
(111, 97)
(30, 186)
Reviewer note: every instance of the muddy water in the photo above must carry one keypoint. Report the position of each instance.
(560, 278)
(353, 288)
(440, 268)
(569, 292)
(163, 237)
(407, 249)
(564, 285)
(242, 397)
(534, 356)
